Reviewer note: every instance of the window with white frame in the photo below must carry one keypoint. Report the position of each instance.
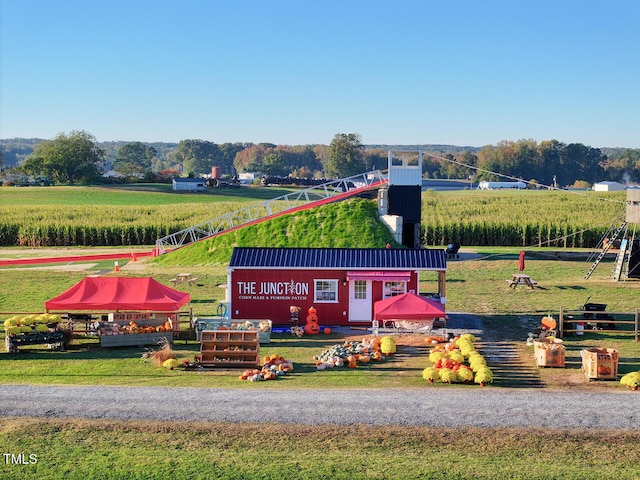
(360, 289)
(391, 289)
(325, 291)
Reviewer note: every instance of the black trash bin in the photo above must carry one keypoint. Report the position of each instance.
(452, 250)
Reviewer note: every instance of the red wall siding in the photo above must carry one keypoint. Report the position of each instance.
(259, 294)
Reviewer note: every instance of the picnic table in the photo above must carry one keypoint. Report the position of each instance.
(184, 278)
(523, 280)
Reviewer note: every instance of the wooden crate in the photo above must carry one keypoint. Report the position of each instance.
(549, 352)
(600, 363)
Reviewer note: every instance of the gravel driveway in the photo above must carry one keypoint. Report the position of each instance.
(446, 407)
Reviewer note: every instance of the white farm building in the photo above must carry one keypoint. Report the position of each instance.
(501, 185)
(189, 184)
(607, 187)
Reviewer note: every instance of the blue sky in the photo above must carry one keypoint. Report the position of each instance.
(462, 72)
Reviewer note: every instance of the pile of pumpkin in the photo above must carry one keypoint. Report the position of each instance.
(33, 323)
(458, 362)
(133, 328)
(274, 366)
(353, 353)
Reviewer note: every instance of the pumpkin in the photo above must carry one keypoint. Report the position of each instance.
(312, 328)
(168, 326)
(353, 363)
(327, 330)
(312, 310)
(604, 370)
(312, 317)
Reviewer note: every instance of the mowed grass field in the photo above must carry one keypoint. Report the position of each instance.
(476, 284)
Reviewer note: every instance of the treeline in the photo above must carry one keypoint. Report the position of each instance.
(549, 163)
(546, 163)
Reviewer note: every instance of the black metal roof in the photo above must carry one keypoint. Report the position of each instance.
(339, 258)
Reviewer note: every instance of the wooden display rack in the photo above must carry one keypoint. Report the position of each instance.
(229, 348)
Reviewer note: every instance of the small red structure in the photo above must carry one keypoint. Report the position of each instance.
(118, 294)
(408, 306)
(342, 284)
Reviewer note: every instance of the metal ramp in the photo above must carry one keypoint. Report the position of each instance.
(606, 247)
(623, 261)
(617, 268)
(289, 203)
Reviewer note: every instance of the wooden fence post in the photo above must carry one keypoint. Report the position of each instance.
(561, 323)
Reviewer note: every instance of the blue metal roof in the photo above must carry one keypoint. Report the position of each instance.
(339, 258)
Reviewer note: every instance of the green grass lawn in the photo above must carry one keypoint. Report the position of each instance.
(80, 449)
(475, 285)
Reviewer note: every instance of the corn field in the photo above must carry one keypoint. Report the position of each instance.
(472, 218)
(101, 225)
(545, 219)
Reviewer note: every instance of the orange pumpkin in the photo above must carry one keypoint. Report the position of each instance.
(353, 363)
(312, 328)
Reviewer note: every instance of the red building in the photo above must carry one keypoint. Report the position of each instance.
(341, 283)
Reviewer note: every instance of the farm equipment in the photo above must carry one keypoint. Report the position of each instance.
(452, 250)
(594, 316)
(590, 315)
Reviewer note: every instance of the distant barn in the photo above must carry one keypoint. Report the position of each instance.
(608, 187)
(188, 184)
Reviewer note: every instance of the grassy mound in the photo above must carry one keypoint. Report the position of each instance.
(349, 224)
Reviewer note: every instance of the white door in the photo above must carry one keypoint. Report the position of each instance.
(360, 301)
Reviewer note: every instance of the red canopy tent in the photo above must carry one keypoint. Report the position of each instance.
(407, 306)
(119, 293)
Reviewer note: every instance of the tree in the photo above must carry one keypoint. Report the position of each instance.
(227, 153)
(346, 155)
(66, 159)
(250, 159)
(197, 156)
(134, 157)
(376, 160)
